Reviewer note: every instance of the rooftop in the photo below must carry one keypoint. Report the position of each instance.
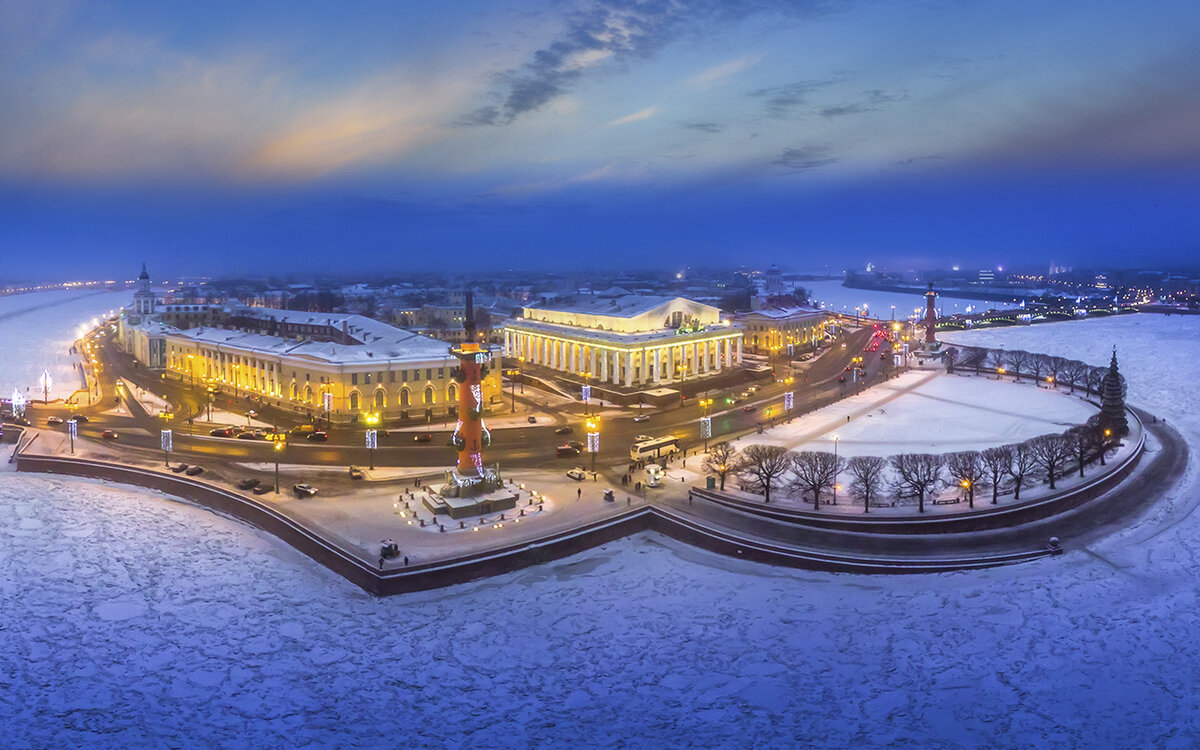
(629, 306)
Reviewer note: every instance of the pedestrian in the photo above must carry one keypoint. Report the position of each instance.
(578, 492)
(847, 417)
(381, 562)
(406, 561)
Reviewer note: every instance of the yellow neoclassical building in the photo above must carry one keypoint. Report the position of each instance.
(628, 340)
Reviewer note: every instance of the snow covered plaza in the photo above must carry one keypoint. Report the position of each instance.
(131, 620)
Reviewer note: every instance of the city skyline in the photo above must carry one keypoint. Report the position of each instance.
(543, 133)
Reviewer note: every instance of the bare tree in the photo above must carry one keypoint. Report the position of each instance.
(974, 358)
(1023, 464)
(996, 359)
(1051, 453)
(1017, 362)
(722, 460)
(1097, 437)
(1054, 367)
(949, 357)
(998, 462)
(1095, 376)
(866, 481)
(763, 465)
(1078, 443)
(814, 471)
(917, 474)
(967, 470)
(1038, 364)
(1074, 372)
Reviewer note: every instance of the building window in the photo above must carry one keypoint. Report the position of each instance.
(429, 394)
(391, 376)
(441, 373)
(379, 399)
(354, 400)
(404, 376)
(404, 397)
(353, 378)
(429, 373)
(367, 375)
(452, 393)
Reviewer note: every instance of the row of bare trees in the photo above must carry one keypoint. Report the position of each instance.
(816, 474)
(1022, 364)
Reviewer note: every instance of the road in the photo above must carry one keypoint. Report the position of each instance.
(525, 446)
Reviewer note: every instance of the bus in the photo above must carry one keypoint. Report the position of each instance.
(653, 448)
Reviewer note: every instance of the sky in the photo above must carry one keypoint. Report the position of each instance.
(226, 137)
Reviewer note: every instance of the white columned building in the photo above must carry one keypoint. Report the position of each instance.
(630, 340)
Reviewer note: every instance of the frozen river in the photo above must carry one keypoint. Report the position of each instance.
(133, 621)
(880, 304)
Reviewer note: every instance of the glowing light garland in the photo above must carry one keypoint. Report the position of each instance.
(477, 392)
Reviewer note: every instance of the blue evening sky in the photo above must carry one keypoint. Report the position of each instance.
(224, 136)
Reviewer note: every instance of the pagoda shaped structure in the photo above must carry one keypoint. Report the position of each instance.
(1112, 401)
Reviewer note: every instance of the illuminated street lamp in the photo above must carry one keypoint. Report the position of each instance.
(593, 440)
(278, 450)
(372, 419)
(521, 372)
(835, 467)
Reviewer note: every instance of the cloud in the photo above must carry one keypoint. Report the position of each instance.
(869, 101)
(805, 158)
(641, 114)
(782, 99)
(614, 32)
(720, 73)
(701, 126)
(519, 190)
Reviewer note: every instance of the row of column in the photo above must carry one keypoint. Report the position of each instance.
(657, 364)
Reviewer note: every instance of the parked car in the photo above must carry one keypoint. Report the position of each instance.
(54, 421)
(320, 436)
(247, 484)
(641, 418)
(578, 473)
(805, 357)
(194, 471)
(221, 432)
(357, 473)
(263, 489)
(179, 468)
(424, 437)
(304, 490)
(532, 420)
(564, 430)
(566, 451)
(109, 434)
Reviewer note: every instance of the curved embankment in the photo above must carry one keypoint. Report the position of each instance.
(418, 577)
(983, 519)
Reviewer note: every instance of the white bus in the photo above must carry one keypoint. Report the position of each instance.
(654, 448)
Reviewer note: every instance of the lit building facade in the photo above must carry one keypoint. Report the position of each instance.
(628, 340)
(775, 329)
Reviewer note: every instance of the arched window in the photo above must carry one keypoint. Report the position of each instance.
(295, 391)
(354, 400)
(379, 399)
(452, 393)
(308, 394)
(429, 394)
(404, 397)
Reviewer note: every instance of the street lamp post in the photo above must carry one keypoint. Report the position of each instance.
(278, 450)
(372, 437)
(167, 446)
(521, 372)
(593, 440)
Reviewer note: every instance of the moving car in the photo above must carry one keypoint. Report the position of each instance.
(424, 437)
(304, 429)
(221, 432)
(249, 435)
(641, 438)
(575, 444)
(304, 490)
(566, 451)
(21, 421)
(247, 484)
(641, 418)
(109, 434)
(357, 473)
(320, 436)
(747, 408)
(81, 418)
(54, 421)
(564, 430)
(805, 357)
(752, 389)
(578, 473)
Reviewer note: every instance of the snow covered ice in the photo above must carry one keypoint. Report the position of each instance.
(129, 620)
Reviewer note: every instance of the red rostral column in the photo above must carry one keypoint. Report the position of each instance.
(930, 317)
(472, 366)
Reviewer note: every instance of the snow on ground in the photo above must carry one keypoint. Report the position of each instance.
(132, 621)
(930, 412)
(36, 333)
(879, 304)
(151, 403)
